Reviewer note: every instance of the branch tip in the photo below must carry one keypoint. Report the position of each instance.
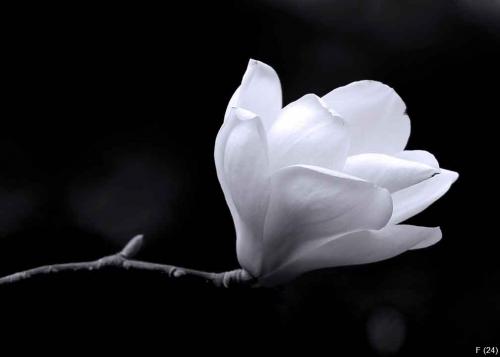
(133, 247)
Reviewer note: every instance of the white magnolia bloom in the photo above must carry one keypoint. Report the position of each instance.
(322, 182)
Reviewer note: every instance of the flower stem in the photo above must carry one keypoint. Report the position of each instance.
(123, 260)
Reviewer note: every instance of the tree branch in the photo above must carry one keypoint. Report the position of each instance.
(123, 260)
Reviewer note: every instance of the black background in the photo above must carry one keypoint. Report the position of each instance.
(109, 117)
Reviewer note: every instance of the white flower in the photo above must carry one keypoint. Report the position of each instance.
(322, 182)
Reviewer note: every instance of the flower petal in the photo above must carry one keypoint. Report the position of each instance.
(233, 103)
(307, 132)
(421, 156)
(243, 172)
(414, 199)
(355, 248)
(375, 115)
(387, 171)
(259, 92)
(309, 203)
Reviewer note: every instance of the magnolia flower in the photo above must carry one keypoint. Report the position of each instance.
(322, 182)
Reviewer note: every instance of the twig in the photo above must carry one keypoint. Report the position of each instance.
(123, 259)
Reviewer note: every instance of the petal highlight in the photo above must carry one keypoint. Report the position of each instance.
(376, 116)
(308, 133)
(387, 171)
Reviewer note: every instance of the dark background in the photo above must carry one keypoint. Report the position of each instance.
(109, 117)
